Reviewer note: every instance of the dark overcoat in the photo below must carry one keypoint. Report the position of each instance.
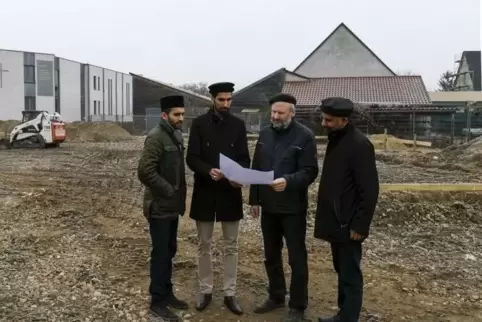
(349, 187)
(209, 136)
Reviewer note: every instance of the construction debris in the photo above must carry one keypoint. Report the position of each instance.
(6, 127)
(96, 132)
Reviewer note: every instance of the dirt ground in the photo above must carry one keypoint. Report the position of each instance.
(74, 245)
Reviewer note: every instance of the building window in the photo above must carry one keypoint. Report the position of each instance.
(98, 107)
(29, 59)
(29, 74)
(98, 83)
(30, 103)
(57, 104)
(95, 83)
(128, 99)
(95, 107)
(109, 97)
(30, 90)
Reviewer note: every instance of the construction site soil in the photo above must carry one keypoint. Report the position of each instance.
(74, 245)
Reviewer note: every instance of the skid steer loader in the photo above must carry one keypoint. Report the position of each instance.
(39, 129)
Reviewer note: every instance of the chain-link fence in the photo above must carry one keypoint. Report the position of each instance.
(144, 123)
(441, 127)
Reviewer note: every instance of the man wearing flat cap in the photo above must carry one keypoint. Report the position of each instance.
(215, 198)
(347, 197)
(161, 171)
(289, 149)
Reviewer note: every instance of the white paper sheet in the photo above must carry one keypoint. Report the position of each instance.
(234, 172)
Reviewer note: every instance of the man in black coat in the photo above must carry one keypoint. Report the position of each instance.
(214, 197)
(289, 149)
(161, 171)
(347, 197)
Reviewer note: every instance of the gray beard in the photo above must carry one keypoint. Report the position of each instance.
(282, 125)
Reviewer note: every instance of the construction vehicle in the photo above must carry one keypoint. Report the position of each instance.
(38, 129)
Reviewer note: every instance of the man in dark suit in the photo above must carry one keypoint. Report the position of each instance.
(215, 198)
(289, 149)
(347, 197)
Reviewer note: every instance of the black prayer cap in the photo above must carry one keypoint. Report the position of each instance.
(287, 98)
(223, 87)
(168, 102)
(337, 106)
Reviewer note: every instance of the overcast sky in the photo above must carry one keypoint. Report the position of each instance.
(181, 41)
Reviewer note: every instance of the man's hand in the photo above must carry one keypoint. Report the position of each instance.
(255, 211)
(235, 184)
(216, 174)
(279, 184)
(355, 236)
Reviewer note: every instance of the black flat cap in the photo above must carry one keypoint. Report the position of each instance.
(168, 102)
(287, 98)
(224, 87)
(337, 106)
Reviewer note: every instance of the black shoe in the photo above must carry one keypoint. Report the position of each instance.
(232, 304)
(164, 313)
(295, 316)
(203, 301)
(268, 306)
(335, 318)
(176, 303)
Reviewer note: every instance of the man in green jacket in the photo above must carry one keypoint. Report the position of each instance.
(161, 171)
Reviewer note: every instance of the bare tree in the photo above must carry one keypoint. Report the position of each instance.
(446, 82)
(200, 88)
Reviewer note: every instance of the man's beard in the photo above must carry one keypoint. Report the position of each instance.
(175, 125)
(280, 125)
(222, 111)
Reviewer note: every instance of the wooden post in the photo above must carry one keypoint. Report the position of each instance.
(468, 123)
(452, 129)
(414, 141)
(385, 139)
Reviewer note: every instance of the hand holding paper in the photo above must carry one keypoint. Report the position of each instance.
(236, 173)
(279, 184)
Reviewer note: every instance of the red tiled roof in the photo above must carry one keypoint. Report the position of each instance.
(408, 90)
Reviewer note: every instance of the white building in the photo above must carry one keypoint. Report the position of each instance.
(79, 92)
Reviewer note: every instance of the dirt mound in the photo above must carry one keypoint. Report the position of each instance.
(7, 126)
(433, 207)
(96, 132)
(393, 143)
(469, 153)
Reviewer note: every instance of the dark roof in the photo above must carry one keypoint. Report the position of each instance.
(473, 58)
(409, 90)
(281, 70)
(181, 90)
(356, 37)
(258, 81)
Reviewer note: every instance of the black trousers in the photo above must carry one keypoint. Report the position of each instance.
(293, 228)
(346, 261)
(164, 247)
